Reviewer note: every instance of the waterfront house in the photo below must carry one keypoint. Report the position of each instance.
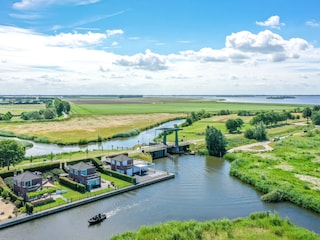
(85, 174)
(122, 164)
(27, 182)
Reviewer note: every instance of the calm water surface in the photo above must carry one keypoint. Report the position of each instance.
(202, 190)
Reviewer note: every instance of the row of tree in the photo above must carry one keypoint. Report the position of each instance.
(6, 117)
(312, 113)
(54, 107)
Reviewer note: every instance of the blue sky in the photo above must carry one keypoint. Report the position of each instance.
(159, 47)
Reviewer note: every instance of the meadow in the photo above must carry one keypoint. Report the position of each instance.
(263, 226)
(291, 172)
(104, 118)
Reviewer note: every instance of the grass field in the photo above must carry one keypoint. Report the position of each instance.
(167, 105)
(263, 226)
(289, 173)
(106, 117)
(17, 109)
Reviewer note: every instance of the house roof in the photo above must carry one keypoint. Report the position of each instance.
(81, 166)
(121, 158)
(26, 176)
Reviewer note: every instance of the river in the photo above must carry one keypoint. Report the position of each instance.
(202, 190)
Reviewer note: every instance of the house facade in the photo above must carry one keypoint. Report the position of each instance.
(122, 164)
(85, 174)
(27, 182)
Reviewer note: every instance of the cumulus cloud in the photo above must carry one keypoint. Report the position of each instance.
(265, 41)
(34, 4)
(273, 22)
(148, 61)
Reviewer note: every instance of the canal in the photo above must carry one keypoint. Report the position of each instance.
(202, 190)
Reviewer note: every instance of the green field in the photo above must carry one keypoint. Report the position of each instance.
(174, 107)
(291, 172)
(17, 109)
(263, 226)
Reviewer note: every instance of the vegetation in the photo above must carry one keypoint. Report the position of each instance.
(261, 225)
(234, 125)
(216, 142)
(289, 173)
(258, 132)
(11, 152)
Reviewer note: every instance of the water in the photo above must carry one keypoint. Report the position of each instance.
(144, 137)
(202, 190)
(296, 99)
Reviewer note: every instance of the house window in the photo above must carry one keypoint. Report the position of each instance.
(76, 172)
(84, 172)
(27, 184)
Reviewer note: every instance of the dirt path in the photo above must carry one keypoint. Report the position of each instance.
(254, 147)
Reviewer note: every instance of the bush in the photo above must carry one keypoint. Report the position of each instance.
(29, 207)
(72, 184)
(119, 175)
(274, 196)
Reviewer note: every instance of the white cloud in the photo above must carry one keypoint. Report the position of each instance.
(114, 32)
(148, 61)
(76, 39)
(249, 63)
(273, 22)
(34, 4)
(267, 42)
(313, 23)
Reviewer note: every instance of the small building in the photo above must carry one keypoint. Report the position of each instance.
(122, 164)
(27, 182)
(85, 174)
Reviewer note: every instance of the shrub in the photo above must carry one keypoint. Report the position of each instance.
(274, 196)
(72, 184)
(29, 207)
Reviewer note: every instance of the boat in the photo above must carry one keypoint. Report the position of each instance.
(97, 218)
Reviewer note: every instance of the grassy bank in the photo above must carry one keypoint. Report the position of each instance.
(289, 173)
(262, 226)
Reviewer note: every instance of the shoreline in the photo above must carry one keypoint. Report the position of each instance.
(163, 176)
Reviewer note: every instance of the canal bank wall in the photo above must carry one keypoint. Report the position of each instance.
(147, 182)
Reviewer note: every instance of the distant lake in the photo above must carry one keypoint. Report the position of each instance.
(289, 99)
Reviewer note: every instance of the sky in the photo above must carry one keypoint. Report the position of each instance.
(152, 47)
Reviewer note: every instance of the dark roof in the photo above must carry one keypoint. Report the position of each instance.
(81, 166)
(121, 158)
(26, 176)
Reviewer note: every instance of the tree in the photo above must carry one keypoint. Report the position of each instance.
(316, 118)
(215, 141)
(11, 152)
(234, 125)
(307, 113)
(258, 132)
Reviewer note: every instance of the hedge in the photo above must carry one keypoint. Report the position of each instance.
(4, 187)
(119, 175)
(39, 167)
(72, 184)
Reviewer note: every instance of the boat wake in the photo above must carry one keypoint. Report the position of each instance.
(119, 209)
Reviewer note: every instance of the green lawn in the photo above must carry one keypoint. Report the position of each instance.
(72, 195)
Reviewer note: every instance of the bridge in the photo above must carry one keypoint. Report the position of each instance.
(164, 149)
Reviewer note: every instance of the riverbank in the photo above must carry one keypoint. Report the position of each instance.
(154, 176)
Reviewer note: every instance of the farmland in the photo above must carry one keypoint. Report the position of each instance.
(105, 117)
